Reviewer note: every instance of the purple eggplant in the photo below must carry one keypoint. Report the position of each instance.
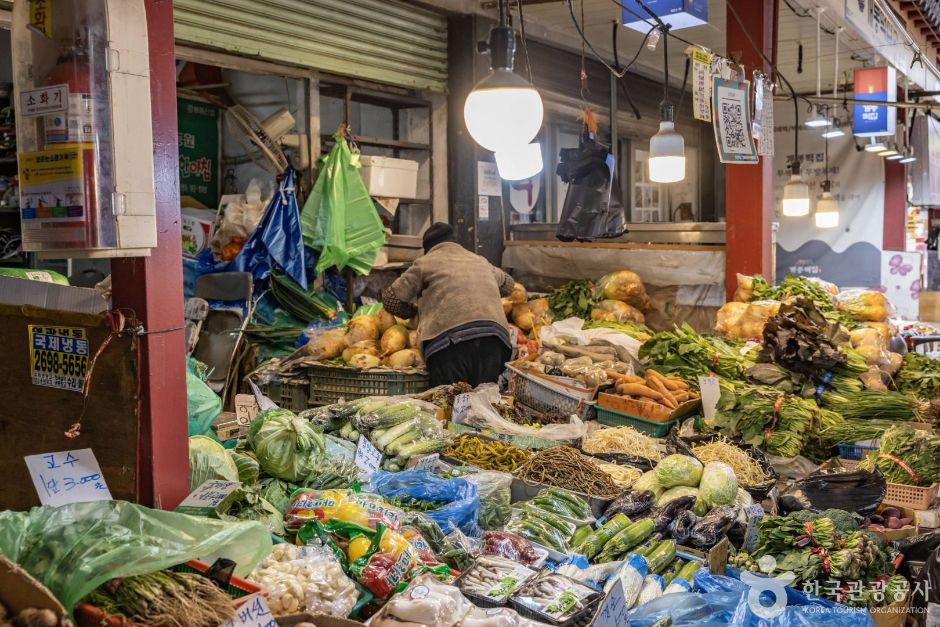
(668, 512)
(681, 528)
(708, 531)
(630, 503)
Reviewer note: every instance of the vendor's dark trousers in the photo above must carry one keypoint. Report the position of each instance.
(474, 361)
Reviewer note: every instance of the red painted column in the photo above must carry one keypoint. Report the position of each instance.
(895, 220)
(749, 188)
(153, 288)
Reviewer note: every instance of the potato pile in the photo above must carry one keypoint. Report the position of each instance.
(670, 392)
(370, 341)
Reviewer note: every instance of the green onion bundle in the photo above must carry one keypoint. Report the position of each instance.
(907, 456)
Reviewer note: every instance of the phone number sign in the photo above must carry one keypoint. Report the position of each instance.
(58, 356)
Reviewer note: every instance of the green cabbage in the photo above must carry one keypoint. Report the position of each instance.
(249, 505)
(675, 470)
(277, 493)
(718, 485)
(648, 481)
(248, 467)
(209, 460)
(674, 493)
(286, 446)
(743, 499)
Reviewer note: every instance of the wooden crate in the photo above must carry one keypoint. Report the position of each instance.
(646, 409)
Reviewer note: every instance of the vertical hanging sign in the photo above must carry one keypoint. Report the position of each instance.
(732, 121)
(765, 141)
(701, 84)
(40, 17)
(875, 84)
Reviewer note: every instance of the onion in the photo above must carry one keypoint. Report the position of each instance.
(523, 317)
(385, 320)
(407, 358)
(366, 347)
(328, 345)
(413, 340)
(363, 361)
(507, 306)
(539, 307)
(394, 340)
(361, 328)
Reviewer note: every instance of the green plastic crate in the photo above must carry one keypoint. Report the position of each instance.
(292, 394)
(613, 418)
(329, 384)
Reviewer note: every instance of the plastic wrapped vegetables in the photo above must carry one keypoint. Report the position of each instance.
(208, 460)
(287, 446)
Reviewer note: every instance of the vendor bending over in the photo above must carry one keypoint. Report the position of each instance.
(461, 326)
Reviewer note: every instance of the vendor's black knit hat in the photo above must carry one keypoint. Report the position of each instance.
(438, 233)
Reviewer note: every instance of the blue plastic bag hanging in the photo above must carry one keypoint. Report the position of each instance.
(277, 240)
(461, 500)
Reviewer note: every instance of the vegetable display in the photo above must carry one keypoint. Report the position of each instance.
(565, 467)
(669, 392)
(486, 453)
(621, 440)
(286, 445)
(494, 578)
(747, 471)
(908, 456)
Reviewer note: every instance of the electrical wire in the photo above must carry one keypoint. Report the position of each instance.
(525, 47)
(590, 46)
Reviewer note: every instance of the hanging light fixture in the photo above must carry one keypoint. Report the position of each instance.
(908, 158)
(796, 191)
(503, 109)
(667, 148)
(895, 157)
(517, 163)
(833, 124)
(875, 146)
(888, 153)
(816, 119)
(827, 207)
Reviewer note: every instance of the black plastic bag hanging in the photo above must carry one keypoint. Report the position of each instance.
(592, 208)
(859, 491)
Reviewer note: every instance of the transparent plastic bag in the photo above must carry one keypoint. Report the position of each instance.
(481, 415)
(75, 548)
(495, 490)
(305, 579)
(745, 320)
(865, 305)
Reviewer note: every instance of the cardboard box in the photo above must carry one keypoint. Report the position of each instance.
(716, 557)
(929, 306)
(894, 615)
(19, 590)
(647, 410)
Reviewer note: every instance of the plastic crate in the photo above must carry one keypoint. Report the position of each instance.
(552, 396)
(613, 418)
(330, 384)
(292, 394)
(855, 451)
(901, 495)
(237, 587)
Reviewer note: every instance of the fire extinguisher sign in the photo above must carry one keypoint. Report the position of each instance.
(44, 101)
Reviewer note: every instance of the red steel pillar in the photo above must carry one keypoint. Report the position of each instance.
(895, 220)
(153, 288)
(749, 188)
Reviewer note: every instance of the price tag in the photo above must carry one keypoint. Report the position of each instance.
(368, 457)
(246, 408)
(613, 612)
(461, 407)
(711, 393)
(207, 497)
(254, 612)
(67, 477)
(425, 462)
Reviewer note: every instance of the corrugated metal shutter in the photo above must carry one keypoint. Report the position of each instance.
(6, 5)
(381, 40)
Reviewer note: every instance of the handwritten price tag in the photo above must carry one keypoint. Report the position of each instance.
(711, 393)
(368, 457)
(246, 408)
(254, 612)
(67, 477)
(207, 496)
(613, 612)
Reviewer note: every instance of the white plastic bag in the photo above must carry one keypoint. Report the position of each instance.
(572, 331)
(305, 579)
(481, 415)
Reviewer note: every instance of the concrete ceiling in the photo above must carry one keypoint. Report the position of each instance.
(551, 19)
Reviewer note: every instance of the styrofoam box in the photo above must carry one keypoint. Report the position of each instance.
(390, 177)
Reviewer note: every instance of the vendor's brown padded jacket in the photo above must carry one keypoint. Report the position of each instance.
(451, 286)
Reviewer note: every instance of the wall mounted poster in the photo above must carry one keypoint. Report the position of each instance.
(731, 113)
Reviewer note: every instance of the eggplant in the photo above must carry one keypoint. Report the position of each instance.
(630, 503)
(708, 531)
(667, 513)
(681, 528)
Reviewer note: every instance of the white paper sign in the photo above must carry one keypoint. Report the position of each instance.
(67, 477)
(483, 208)
(613, 612)
(461, 407)
(425, 462)
(44, 100)
(711, 393)
(246, 408)
(701, 85)
(368, 458)
(488, 181)
(208, 495)
(254, 612)
(765, 141)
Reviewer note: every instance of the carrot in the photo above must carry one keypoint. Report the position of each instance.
(638, 389)
(657, 384)
(619, 376)
(678, 382)
(681, 396)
